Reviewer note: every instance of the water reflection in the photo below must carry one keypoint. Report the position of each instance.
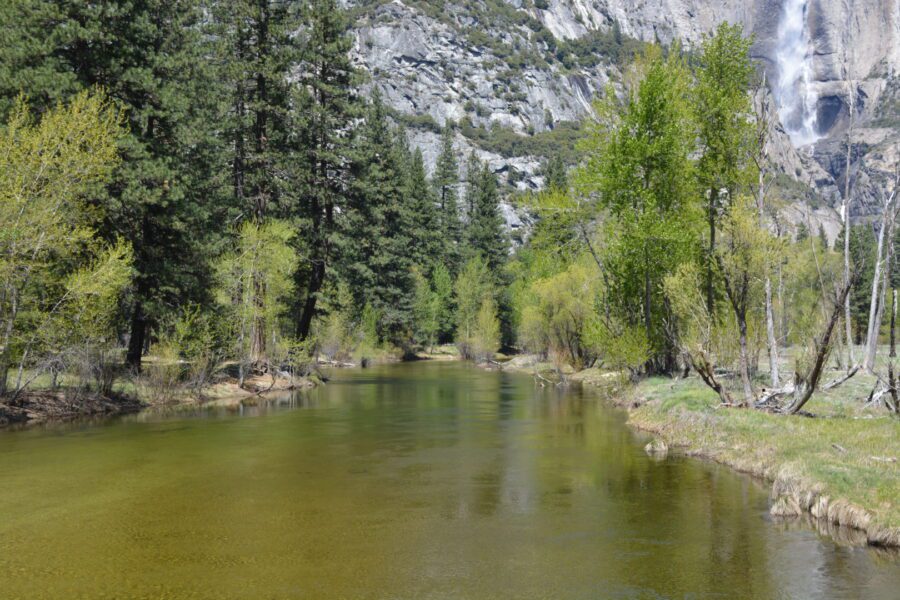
(408, 481)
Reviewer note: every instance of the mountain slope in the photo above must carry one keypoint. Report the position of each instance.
(518, 75)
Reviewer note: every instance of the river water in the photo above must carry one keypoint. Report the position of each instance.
(418, 481)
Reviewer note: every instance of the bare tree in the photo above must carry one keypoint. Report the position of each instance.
(876, 306)
(805, 384)
(761, 158)
(845, 217)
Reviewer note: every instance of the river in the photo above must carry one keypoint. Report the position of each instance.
(412, 481)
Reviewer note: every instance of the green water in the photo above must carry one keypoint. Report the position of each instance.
(407, 481)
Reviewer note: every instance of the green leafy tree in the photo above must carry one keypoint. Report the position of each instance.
(59, 284)
(262, 259)
(724, 116)
(638, 162)
(746, 255)
(426, 310)
(474, 287)
(560, 314)
(485, 340)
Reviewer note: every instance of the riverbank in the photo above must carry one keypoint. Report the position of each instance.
(132, 395)
(839, 465)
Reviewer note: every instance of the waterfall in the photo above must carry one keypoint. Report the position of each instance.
(794, 95)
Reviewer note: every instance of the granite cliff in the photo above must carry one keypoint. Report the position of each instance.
(518, 75)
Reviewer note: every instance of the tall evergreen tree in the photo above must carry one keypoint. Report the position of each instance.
(377, 258)
(259, 50)
(446, 183)
(428, 244)
(152, 58)
(555, 174)
(326, 107)
(485, 233)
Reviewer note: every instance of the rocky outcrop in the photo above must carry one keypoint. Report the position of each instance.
(499, 64)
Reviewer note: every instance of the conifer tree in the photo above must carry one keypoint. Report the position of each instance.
(151, 56)
(485, 233)
(555, 175)
(377, 258)
(326, 106)
(259, 51)
(446, 182)
(428, 245)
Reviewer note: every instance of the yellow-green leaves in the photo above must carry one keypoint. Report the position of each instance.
(256, 281)
(59, 285)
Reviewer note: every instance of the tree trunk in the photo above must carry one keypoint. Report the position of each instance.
(745, 360)
(258, 327)
(304, 324)
(892, 377)
(874, 302)
(710, 287)
(705, 369)
(138, 336)
(806, 387)
(4, 372)
(771, 340)
(847, 321)
(647, 321)
(846, 225)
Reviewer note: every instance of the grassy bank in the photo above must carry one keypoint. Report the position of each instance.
(840, 464)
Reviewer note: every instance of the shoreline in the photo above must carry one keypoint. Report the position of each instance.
(42, 407)
(680, 414)
(684, 416)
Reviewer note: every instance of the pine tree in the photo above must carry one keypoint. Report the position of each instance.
(377, 258)
(259, 50)
(165, 193)
(326, 105)
(555, 175)
(485, 233)
(446, 182)
(424, 218)
(30, 57)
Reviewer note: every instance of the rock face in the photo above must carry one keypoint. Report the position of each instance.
(510, 65)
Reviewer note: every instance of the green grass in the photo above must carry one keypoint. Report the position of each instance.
(835, 453)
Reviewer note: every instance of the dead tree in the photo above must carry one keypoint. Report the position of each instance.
(876, 303)
(804, 385)
(845, 214)
(761, 158)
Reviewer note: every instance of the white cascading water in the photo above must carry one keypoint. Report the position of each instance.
(794, 94)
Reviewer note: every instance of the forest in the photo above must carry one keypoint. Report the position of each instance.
(192, 187)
